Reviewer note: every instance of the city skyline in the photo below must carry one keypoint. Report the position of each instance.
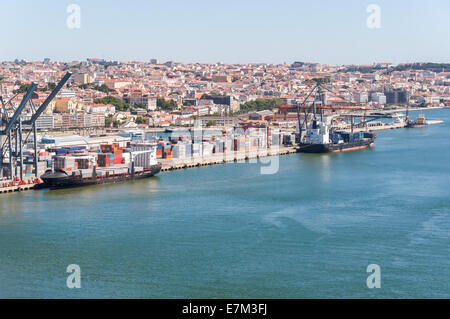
(232, 33)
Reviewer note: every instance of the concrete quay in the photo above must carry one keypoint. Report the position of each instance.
(221, 158)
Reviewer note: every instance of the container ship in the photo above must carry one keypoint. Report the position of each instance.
(318, 139)
(111, 164)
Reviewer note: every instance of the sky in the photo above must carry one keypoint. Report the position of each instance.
(231, 31)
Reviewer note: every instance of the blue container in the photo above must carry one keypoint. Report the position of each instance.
(335, 138)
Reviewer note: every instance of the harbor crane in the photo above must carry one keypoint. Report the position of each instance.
(14, 128)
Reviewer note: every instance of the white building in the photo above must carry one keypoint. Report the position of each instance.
(45, 122)
(361, 97)
(378, 98)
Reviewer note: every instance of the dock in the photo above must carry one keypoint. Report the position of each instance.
(434, 122)
(14, 186)
(171, 164)
(387, 126)
(222, 158)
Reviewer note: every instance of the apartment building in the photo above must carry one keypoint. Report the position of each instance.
(225, 121)
(79, 120)
(82, 78)
(45, 122)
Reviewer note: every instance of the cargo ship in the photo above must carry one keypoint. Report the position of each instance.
(319, 139)
(111, 165)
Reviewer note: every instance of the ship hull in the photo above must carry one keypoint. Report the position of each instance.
(59, 179)
(414, 125)
(335, 148)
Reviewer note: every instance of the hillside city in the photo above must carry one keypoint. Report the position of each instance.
(124, 95)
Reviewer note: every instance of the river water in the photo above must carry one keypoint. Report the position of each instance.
(308, 231)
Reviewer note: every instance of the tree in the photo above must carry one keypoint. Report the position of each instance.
(211, 94)
(139, 106)
(50, 86)
(102, 88)
(211, 123)
(23, 88)
(140, 120)
(108, 120)
(118, 103)
(260, 105)
(166, 105)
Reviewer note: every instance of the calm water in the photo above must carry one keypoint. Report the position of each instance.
(227, 231)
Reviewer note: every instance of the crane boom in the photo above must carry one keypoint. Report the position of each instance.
(19, 110)
(48, 99)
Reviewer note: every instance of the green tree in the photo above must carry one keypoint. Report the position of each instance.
(140, 120)
(139, 106)
(118, 103)
(23, 88)
(211, 123)
(260, 105)
(102, 88)
(166, 105)
(109, 120)
(50, 86)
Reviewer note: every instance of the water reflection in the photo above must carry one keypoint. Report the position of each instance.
(140, 186)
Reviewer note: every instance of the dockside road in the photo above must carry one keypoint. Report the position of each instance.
(221, 158)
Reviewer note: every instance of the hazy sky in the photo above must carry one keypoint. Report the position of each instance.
(230, 31)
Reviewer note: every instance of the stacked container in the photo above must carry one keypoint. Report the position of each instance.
(105, 159)
(188, 150)
(207, 148)
(145, 160)
(84, 163)
(65, 163)
(197, 149)
(159, 150)
(275, 139)
(219, 147)
(239, 144)
(179, 150)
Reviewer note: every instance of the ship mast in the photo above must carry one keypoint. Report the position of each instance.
(317, 87)
(407, 113)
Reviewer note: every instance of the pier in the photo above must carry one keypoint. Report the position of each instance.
(8, 186)
(222, 158)
(391, 126)
(171, 164)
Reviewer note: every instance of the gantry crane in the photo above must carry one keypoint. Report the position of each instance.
(14, 128)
